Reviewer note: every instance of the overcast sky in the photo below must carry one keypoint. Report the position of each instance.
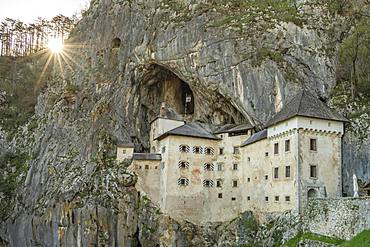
(29, 10)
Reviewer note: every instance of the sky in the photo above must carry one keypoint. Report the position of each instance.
(28, 10)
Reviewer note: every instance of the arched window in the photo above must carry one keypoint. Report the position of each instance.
(209, 151)
(183, 164)
(207, 183)
(312, 193)
(208, 167)
(197, 150)
(183, 182)
(184, 148)
(116, 43)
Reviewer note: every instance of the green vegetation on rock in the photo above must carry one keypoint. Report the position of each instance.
(361, 240)
(311, 236)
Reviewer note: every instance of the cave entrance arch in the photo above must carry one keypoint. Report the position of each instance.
(162, 85)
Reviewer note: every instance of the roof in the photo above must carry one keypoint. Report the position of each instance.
(256, 137)
(147, 156)
(307, 105)
(232, 128)
(125, 145)
(191, 130)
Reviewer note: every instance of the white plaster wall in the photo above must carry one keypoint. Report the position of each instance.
(159, 127)
(124, 153)
(306, 123)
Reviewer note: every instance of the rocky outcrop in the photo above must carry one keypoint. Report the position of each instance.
(241, 64)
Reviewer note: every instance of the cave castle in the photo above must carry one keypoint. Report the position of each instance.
(204, 173)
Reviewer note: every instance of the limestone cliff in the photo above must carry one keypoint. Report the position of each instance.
(241, 63)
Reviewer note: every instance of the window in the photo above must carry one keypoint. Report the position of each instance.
(313, 144)
(219, 167)
(207, 183)
(276, 172)
(266, 198)
(266, 177)
(248, 198)
(163, 149)
(146, 167)
(249, 159)
(329, 124)
(221, 151)
(219, 183)
(276, 198)
(236, 150)
(124, 151)
(266, 154)
(209, 151)
(313, 171)
(219, 195)
(287, 145)
(287, 171)
(276, 148)
(235, 183)
(248, 179)
(197, 150)
(183, 164)
(287, 198)
(184, 148)
(233, 198)
(183, 181)
(156, 167)
(162, 165)
(116, 43)
(235, 167)
(208, 167)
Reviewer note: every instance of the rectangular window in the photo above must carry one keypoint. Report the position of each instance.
(124, 151)
(233, 198)
(266, 198)
(287, 171)
(287, 198)
(219, 167)
(236, 150)
(219, 183)
(276, 198)
(313, 144)
(219, 195)
(276, 172)
(266, 177)
(248, 198)
(221, 151)
(276, 148)
(235, 167)
(163, 149)
(267, 154)
(249, 179)
(313, 171)
(146, 167)
(235, 183)
(287, 145)
(249, 159)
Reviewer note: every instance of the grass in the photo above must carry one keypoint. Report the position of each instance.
(360, 240)
(312, 236)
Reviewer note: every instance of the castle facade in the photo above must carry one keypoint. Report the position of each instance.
(204, 173)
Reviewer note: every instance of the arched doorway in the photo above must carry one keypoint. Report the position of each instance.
(312, 193)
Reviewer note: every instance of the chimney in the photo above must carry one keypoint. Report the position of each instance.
(163, 110)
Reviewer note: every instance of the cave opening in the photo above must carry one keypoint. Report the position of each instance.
(116, 43)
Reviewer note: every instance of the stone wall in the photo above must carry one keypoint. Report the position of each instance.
(342, 218)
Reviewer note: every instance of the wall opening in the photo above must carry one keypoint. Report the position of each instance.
(116, 43)
(312, 193)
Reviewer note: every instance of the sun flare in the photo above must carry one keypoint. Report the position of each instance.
(55, 45)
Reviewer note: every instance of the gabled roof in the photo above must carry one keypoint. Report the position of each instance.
(191, 130)
(307, 105)
(233, 128)
(256, 137)
(147, 156)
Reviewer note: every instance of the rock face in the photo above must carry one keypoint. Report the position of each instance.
(240, 64)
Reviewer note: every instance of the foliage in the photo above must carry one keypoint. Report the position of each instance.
(21, 39)
(312, 236)
(13, 167)
(354, 58)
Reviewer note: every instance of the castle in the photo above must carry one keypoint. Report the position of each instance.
(204, 173)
